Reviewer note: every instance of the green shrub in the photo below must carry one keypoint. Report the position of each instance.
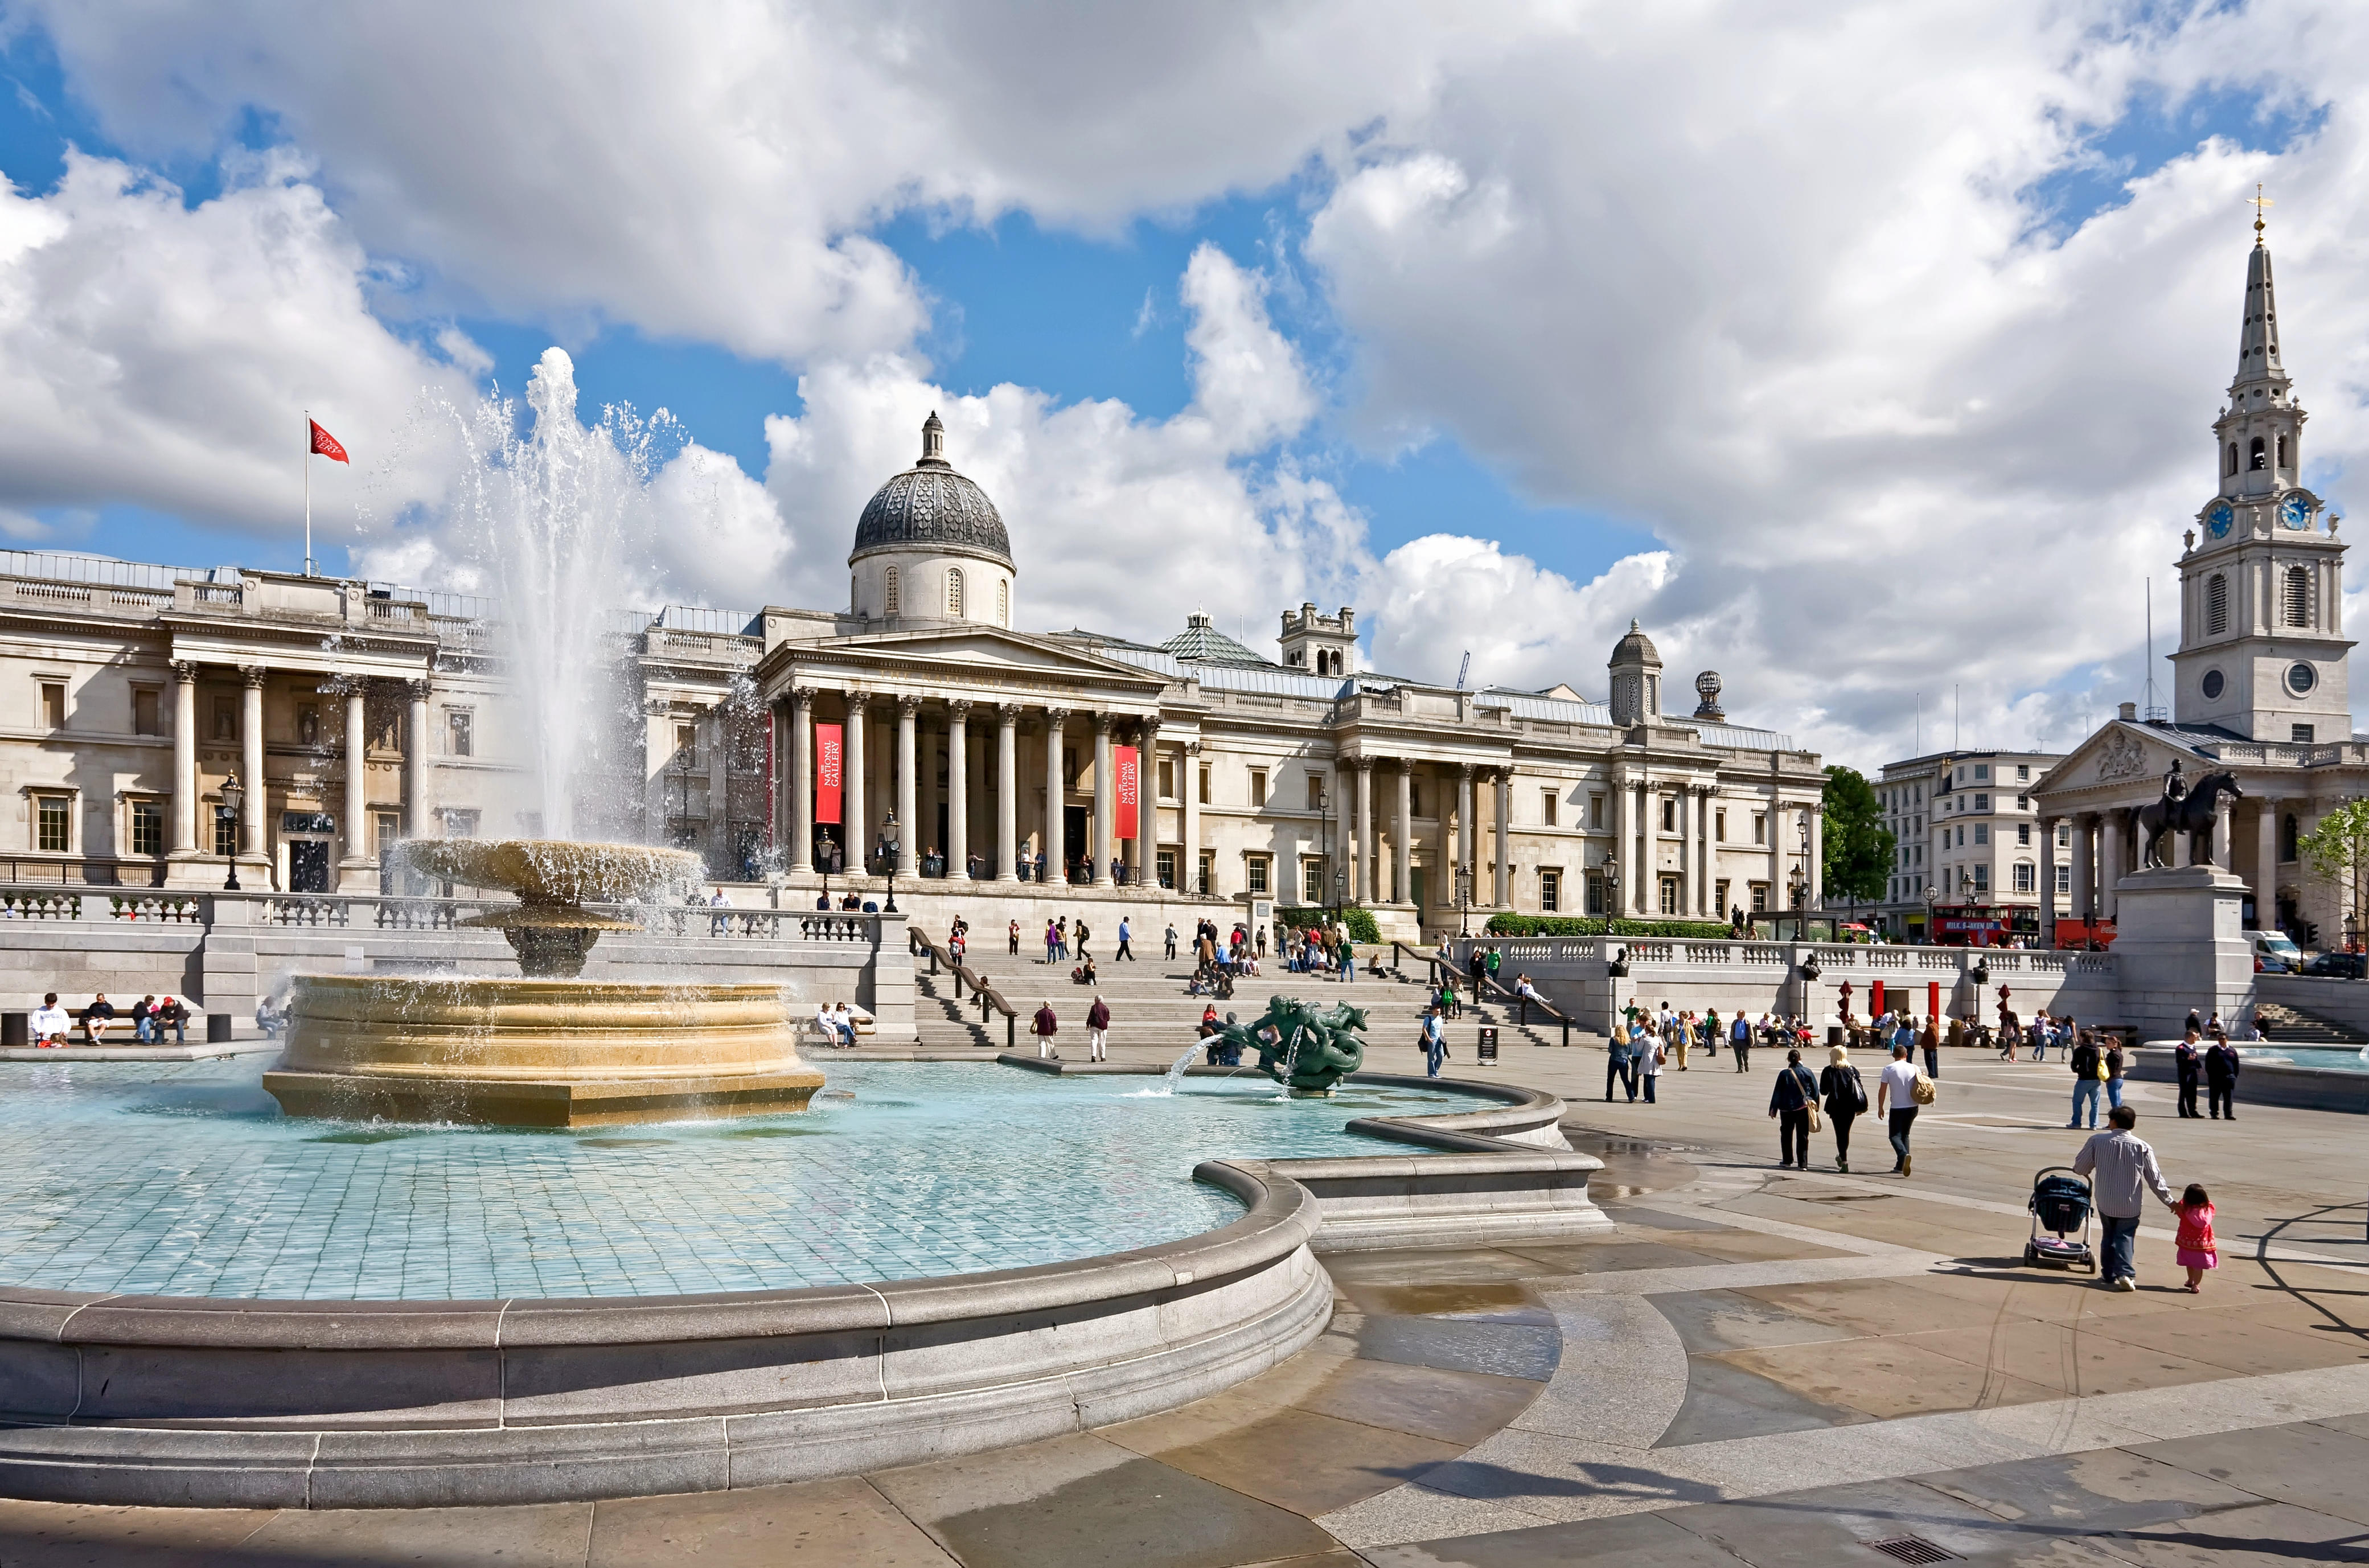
(1360, 921)
(1571, 925)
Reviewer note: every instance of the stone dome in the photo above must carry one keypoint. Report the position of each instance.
(1635, 648)
(932, 506)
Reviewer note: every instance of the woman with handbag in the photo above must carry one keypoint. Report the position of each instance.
(1793, 1102)
(1844, 1093)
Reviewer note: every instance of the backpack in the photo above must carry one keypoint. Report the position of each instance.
(1742, 1033)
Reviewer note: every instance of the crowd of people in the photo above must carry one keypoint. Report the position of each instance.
(51, 1027)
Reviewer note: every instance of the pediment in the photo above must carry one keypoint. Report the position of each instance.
(2117, 756)
(977, 652)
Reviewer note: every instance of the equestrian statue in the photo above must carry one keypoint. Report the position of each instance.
(2185, 810)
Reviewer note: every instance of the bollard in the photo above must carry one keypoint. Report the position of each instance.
(217, 1028)
(15, 1029)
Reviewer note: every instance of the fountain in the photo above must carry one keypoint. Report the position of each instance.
(548, 1049)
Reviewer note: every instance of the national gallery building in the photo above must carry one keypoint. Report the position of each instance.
(158, 723)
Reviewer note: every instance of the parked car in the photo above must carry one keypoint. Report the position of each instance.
(2339, 965)
(2275, 953)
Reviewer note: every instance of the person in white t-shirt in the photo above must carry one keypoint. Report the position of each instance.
(49, 1024)
(1896, 1096)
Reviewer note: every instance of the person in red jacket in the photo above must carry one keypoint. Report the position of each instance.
(1098, 1031)
(1043, 1028)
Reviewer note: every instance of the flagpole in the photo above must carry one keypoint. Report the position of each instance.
(308, 492)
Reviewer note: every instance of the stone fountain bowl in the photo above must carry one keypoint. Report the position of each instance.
(556, 871)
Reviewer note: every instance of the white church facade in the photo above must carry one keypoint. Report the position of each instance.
(2259, 686)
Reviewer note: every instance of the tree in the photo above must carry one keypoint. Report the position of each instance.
(1859, 847)
(2337, 849)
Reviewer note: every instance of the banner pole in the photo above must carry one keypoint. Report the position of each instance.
(308, 492)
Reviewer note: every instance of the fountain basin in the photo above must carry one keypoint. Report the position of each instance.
(536, 1052)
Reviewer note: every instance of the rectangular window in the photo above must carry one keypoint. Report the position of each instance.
(1547, 806)
(1669, 815)
(225, 718)
(1163, 866)
(2024, 803)
(1718, 897)
(1414, 798)
(225, 834)
(386, 831)
(147, 712)
(1311, 881)
(1759, 831)
(1982, 803)
(1670, 886)
(686, 741)
(1962, 835)
(1596, 811)
(1206, 873)
(2023, 832)
(2064, 837)
(2022, 772)
(1254, 873)
(1982, 877)
(1316, 792)
(1069, 767)
(1167, 778)
(53, 823)
(1549, 891)
(1760, 898)
(2027, 876)
(2301, 735)
(1719, 826)
(1201, 783)
(147, 827)
(53, 705)
(1258, 798)
(1982, 772)
(2063, 880)
(1598, 894)
(459, 824)
(460, 732)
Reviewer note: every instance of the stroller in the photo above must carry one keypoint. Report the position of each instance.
(2060, 1204)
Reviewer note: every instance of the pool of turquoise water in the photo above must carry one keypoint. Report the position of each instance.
(185, 1179)
(2345, 1058)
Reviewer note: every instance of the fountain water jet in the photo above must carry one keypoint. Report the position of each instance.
(548, 1049)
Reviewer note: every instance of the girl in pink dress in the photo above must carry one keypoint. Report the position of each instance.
(2195, 1249)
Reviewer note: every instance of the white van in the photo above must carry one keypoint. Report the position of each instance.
(2276, 954)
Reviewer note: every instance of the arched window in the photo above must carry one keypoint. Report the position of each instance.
(1002, 604)
(2230, 467)
(2283, 452)
(889, 591)
(2255, 462)
(954, 592)
(853, 604)
(2298, 596)
(2216, 604)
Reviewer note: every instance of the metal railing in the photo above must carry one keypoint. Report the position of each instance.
(983, 991)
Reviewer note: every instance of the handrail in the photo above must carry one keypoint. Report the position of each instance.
(1524, 1003)
(983, 991)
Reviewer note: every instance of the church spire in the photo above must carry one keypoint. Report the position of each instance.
(2258, 339)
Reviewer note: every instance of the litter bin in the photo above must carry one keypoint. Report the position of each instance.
(217, 1028)
(15, 1029)
(1488, 1048)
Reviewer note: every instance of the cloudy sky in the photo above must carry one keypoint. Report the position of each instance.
(1866, 354)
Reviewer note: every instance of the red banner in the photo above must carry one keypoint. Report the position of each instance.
(1129, 769)
(829, 762)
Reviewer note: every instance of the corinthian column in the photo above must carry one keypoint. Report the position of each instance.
(958, 791)
(250, 760)
(854, 829)
(1402, 837)
(802, 777)
(909, 831)
(1368, 851)
(1054, 849)
(355, 863)
(1007, 787)
(415, 763)
(1188, 864)
(1106, 798)
(185, 757)
(1505, 899)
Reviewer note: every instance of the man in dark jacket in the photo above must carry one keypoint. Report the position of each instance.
(1788, 1101)
(2189, 1062)
(2221, 1077)
(1098, 1031)
(1043, 1026)
(2085, 1079)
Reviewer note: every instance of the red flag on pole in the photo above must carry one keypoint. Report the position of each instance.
(828, 763)
(327, 444)
(1130, 789)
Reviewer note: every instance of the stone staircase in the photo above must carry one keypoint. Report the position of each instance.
(2288, 1025)
(1150, 1007)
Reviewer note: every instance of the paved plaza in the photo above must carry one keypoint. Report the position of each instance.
(1757, 1367)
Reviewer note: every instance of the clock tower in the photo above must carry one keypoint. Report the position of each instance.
(2261, 644)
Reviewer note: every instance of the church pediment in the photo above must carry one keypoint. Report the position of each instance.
(2116, 756)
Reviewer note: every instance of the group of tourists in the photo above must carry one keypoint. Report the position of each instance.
(1318, 950)
(1047, 1026)
(1218, 961)
(50, 1026)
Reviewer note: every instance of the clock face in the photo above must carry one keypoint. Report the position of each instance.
(2217, 520)
(2295, 511)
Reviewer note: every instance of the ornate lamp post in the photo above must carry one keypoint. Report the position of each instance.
(234, 796)
(889, 853)
(1611, 887)
(1932, 894)
(1464, 901)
